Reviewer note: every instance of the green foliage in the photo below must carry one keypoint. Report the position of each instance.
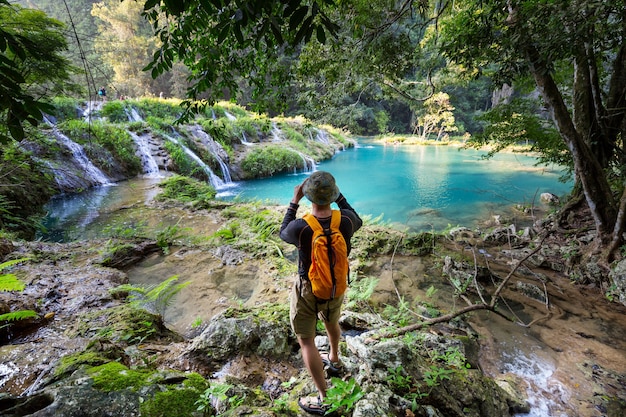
(436, 374)
(218, 394)
(115, 111)
(233, 46)
(186, 190)
(175, 401)
(10, 283)
(343, 395)
(163, 109)
(269, 160)
(519, 123)
(360, 291)
(110, 146)
(168, 235)
(400, 314)
(183, 162)
(32, 66)
(252, 229)
(156, 298)
(66, 108)
(70, 363)
(26, 186)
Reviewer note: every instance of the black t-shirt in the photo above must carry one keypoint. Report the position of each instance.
(297, 231)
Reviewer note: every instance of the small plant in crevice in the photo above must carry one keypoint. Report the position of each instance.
(404, 385)
(216, 397)
(343, 395)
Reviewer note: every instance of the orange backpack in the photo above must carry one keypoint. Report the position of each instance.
(329, 258)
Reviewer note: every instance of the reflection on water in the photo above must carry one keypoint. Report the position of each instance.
(68, 215)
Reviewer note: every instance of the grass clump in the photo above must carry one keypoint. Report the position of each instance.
(186, 190)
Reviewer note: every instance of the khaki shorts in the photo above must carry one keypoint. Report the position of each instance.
(304, 309)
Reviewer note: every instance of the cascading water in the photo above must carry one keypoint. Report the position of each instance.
(215, 181)
(216, 150)
(244, 139)
(133, 115)
(276, 137)
(229, 116)
(92, 172)
(148, 163)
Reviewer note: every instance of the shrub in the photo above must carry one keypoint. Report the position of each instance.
(115, 111)
(65, 108)
(266, 161)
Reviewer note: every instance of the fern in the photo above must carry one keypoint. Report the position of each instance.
(155, 299)
(18, 315)
(10, 283)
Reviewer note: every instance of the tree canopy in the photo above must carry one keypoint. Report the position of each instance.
(31, 66)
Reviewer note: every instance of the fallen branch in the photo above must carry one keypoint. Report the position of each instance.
(470, 308)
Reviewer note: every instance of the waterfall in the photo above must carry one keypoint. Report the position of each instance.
(244, 139)
(215, 181)
(322, 136)
(307, 161)
(133, 115)
(276, 137)
(216, 150)
(78, 152)
(229, 116)
(88, 113)
(148, 163)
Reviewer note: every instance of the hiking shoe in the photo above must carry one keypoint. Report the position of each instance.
(313, 405)
(333, 368)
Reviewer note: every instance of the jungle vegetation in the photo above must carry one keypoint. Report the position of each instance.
(369, 66)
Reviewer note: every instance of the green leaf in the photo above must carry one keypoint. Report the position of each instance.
(18, 315)
(10, 283)
(297, 17)
(321, 35)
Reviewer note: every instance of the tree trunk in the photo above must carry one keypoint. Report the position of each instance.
(586, 166)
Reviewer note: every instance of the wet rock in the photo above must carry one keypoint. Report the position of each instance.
(462, 234)
(503, 235)
(532, 291)
(549, 198)
(124, 255)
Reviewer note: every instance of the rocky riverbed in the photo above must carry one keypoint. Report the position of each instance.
(223, 346)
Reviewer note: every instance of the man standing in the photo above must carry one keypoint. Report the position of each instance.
(320, 188)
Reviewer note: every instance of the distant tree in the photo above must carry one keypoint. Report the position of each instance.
(32, 67)
(435, 117)
(126, 43)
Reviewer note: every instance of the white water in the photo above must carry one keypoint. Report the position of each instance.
(215, 149)
(78, 152)
(215, 181)
(276, 136)
(148, 163)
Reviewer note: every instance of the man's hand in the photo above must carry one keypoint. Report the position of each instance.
(298, 193)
